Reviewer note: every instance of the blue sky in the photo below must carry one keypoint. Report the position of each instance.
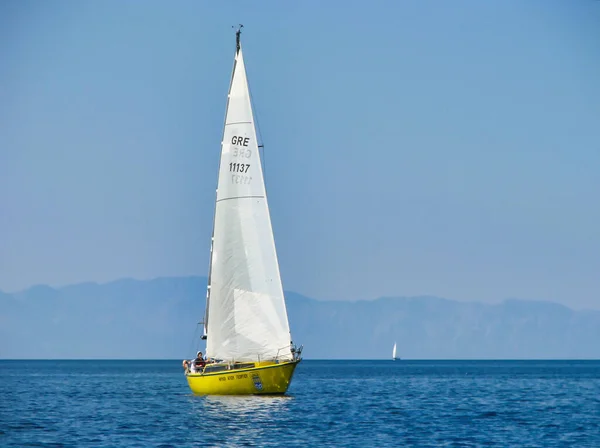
(415, 147)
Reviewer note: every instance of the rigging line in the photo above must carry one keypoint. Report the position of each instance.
(193, 339)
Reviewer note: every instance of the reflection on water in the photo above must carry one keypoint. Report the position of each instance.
(261, 406)
(245, 418)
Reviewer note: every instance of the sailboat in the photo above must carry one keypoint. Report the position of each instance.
(249, 348)
(394, 353)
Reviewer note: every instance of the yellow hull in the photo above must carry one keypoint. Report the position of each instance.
(265, 378)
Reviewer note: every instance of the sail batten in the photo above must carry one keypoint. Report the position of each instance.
(246, 303)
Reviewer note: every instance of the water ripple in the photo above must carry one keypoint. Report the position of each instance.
(335, 403)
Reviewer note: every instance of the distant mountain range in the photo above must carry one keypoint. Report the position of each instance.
(158, 318)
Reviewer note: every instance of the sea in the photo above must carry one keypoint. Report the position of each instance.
(329, 403)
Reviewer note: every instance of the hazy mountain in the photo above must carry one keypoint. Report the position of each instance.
(158, 319)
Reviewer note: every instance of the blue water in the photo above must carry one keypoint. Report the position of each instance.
(330, 403)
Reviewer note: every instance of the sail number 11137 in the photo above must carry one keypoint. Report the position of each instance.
(239, 167)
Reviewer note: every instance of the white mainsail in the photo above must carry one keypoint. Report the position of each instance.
(246, 317)
(394, 351)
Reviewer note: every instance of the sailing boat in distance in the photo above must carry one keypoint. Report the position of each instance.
(246, 328)
(394, 352)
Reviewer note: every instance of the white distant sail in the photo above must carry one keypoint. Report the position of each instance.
(394, 352)
(246, 317)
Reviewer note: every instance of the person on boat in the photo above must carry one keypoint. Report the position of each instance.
(199, 362)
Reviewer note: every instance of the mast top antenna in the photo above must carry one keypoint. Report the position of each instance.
(238, 32)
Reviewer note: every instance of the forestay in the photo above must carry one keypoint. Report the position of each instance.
(246, 317)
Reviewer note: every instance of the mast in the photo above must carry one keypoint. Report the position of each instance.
(238, 34)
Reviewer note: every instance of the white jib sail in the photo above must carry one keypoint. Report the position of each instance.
(246, 317)
(394, 351)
